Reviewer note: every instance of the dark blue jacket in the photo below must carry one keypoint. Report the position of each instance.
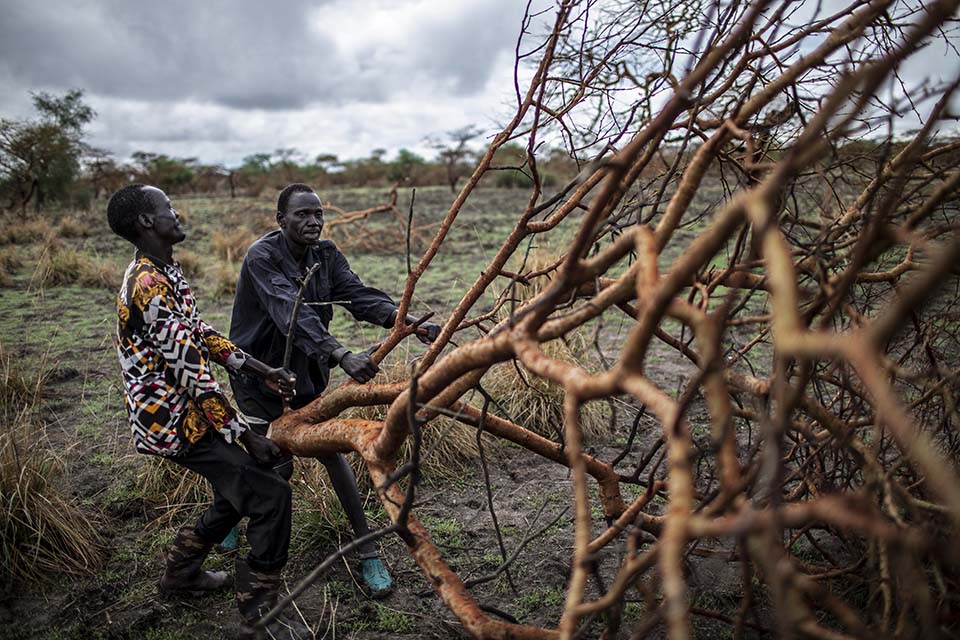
(266, 291)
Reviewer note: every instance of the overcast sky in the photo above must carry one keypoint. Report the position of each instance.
(221, 79)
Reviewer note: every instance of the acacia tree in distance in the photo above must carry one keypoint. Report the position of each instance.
(40, 158)
(730, 210)
(453, 153)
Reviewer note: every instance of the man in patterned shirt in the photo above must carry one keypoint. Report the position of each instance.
(178, 411)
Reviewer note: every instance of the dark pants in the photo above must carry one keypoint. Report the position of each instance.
(242, 487)
(344, 484)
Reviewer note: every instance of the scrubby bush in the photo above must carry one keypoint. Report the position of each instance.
(42, 531)
(532, 401)
(225, 276)
(70, 227)
(25, 231)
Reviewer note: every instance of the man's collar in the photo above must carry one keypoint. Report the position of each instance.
(157, 262)
(281, 242)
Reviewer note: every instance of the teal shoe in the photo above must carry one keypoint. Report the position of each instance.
(377, 578)
(231, 542)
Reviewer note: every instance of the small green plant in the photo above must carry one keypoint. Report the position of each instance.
(550, 598)
(445, 531)
(103, 459)
(164, 634)
(390, 620)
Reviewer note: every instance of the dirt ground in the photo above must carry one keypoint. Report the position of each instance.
(68, 329)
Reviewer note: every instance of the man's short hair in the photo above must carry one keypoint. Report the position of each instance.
(123, 208)
(289, 190)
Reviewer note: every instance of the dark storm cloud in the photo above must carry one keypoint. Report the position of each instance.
(220, 79)
(466, 47)
(417, 46)
(234, 53)
(243, 53)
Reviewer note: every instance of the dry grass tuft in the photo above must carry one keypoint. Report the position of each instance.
(262, 223)
(25, 232)
(225, 276)
(448, 446)
(9, 263)
(59, 266)
(531, 401)
(320, 521)
(232, 245)
(536, 403)
(41, 530)
(190, 264)
(70, 227)
(176, 491)
(20, 388)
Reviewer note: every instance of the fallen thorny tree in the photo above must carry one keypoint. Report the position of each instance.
(747, 201)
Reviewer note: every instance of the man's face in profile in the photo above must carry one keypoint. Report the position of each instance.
(165, 219)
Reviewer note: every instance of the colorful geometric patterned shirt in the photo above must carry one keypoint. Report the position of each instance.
(165, 352)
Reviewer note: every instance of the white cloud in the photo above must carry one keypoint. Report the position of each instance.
(222, 79)
(225, 78)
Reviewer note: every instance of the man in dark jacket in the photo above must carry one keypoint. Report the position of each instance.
(266, 292)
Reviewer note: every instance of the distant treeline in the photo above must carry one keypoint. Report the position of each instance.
(44, 160)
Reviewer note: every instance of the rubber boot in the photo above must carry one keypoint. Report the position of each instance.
(231, 542)
(257, 593)
(375, 576)
(184, 559)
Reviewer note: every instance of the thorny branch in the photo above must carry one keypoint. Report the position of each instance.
(742, 200)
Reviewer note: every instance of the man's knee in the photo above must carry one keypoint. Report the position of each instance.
(284, 468)
(274, 488)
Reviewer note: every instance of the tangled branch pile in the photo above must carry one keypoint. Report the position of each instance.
(813, 292)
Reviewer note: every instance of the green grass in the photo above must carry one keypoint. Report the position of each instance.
(383, 620)
(549, 599)
(103, 459)
(390, 620)
(165, 634)
(446, 531)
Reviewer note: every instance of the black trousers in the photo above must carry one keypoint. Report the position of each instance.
(344, 484)
(242, 487)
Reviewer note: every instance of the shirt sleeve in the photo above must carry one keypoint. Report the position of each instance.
(168, 327)
(221, 349)
(366, 303)
(277, 294)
